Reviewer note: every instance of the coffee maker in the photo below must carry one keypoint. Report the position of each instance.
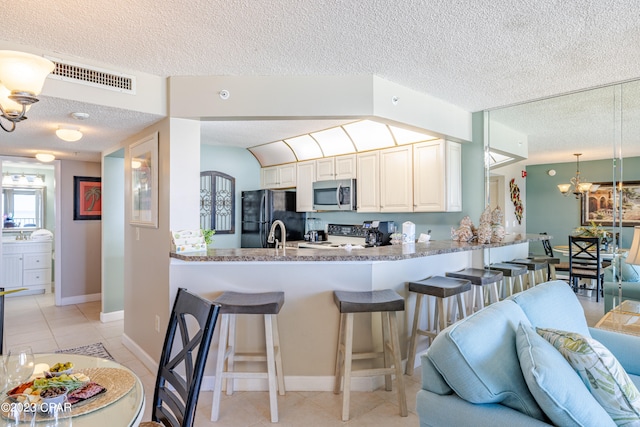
(378, 233)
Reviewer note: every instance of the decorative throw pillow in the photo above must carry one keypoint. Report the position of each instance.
(555, 385)
(601, 373)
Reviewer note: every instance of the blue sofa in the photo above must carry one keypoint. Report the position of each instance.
(630, 275)
(471, 373)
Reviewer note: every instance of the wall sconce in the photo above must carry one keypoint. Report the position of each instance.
(22, 76)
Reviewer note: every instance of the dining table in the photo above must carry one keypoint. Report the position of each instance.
(605, 255)
(122, 404)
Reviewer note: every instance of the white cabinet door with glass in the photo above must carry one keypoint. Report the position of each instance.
(26, 264)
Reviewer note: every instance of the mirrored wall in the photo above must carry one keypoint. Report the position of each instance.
(534, 146)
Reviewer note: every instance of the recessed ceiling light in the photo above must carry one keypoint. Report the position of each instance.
(45, 157)
(69, 134)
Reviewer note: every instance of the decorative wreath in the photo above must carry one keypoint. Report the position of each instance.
(515, 198)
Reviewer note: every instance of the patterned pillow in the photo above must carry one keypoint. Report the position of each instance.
(601, 372)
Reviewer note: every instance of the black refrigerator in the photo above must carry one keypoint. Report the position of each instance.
(260, 208)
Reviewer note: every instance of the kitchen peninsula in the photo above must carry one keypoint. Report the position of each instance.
(308, 321)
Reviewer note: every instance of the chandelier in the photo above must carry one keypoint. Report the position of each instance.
(579, 188)
(21, 79)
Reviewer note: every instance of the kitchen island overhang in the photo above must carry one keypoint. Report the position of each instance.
(308, 321)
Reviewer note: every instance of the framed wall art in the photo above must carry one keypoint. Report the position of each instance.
(597, 206)
(87, 198)
(144, 182)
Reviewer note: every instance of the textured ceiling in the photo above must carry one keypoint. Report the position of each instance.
(473, 54)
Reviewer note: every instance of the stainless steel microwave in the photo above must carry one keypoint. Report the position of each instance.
(334, 195)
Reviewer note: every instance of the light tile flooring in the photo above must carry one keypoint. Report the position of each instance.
(36, 321)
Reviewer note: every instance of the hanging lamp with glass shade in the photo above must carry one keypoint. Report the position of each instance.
(22, 76)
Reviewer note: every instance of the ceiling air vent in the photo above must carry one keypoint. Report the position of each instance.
(92, 76)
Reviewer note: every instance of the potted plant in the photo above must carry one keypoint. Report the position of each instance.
(208, 236)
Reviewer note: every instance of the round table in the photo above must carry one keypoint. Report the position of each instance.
(126, 411)
(604, 255)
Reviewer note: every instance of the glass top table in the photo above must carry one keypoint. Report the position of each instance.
(624, 318)
(125, 409)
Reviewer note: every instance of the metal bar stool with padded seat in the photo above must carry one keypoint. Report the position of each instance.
(267, 304)
(552, 261)
(440, 288)
(480, 277)
(512, 276)
(387, 302)
(535, 270)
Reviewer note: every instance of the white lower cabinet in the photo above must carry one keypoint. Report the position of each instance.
(26, 264)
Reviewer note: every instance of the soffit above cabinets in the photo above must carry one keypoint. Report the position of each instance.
(353, 137)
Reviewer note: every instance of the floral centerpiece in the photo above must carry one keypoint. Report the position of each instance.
(595, 230)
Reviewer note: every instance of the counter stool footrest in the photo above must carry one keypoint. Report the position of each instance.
(373, 371)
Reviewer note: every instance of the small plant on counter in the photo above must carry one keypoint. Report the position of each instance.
(208, 236)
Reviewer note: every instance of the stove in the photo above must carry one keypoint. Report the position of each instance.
(340, 236)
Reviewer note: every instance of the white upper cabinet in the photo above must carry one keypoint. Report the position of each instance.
(454, 176)
(429, 176)
(437, 176)
(368, 182)
(304, 189)
(339, 167)
(281, 176)
(396, 179)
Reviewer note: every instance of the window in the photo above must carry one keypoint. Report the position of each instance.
(217, 202)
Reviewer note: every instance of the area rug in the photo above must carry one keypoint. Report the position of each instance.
(96, 350)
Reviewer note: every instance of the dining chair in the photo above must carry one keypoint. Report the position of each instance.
(180, 374)
(585, 262)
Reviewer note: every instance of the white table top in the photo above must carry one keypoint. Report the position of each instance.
(126, 411)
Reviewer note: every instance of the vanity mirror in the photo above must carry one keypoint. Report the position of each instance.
(23, 208)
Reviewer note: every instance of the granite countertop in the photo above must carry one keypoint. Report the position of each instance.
(383, 253)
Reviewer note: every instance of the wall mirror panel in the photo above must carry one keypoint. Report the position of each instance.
(603, 124)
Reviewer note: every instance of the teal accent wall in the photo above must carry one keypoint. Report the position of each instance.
(547, 210)
(240, 164)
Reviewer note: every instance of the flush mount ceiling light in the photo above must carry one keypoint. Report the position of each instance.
(69, 134)
(579, 188)
(45, 157)
(22, 76)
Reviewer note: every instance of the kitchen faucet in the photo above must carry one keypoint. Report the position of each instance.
(272, 235)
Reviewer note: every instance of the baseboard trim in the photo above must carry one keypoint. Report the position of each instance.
(111, 316)
(79, 299)
(142, 355)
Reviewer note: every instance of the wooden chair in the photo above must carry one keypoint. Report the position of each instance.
(181, 366)
(585, 262)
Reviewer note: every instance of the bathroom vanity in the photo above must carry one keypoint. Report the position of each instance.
(26, 264)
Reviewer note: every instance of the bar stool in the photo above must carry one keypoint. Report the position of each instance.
(440, 288)
(480, 277)
(233, 303)
(551, 264)
(513, 276)
(535, 270)
(387, 302)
